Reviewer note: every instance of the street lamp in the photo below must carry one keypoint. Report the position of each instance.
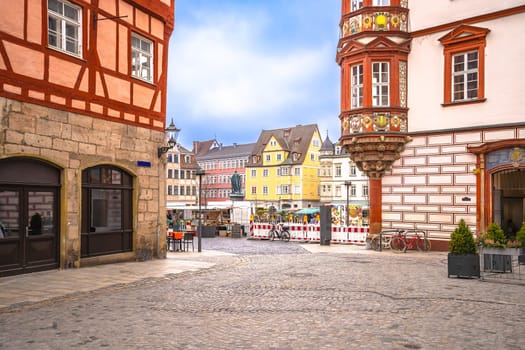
(200, 173)
(348, 184)
(172, 132)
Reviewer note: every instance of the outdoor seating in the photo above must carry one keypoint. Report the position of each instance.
(175, 240)
(187, 240)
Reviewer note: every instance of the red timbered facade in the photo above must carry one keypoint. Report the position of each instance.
(83, 97)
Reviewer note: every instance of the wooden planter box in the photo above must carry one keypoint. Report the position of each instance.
(463, 265)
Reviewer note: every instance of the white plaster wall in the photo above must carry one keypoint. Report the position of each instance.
(503, 79)
(427, 13)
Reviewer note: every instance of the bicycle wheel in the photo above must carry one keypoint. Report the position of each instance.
(271, 235)
(397, 244)
(285, 236)
(423, 245)
(374, 243)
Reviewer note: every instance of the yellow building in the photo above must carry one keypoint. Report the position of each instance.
(283, 170)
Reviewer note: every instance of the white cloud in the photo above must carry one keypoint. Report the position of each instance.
(219, 69)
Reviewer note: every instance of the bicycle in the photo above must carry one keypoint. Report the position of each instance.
(279, 231)
(382, 240)
(402, 243)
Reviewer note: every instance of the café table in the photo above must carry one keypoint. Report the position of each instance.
(175, 240)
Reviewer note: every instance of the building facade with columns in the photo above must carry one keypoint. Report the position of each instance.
(82, 114)
(430, 111)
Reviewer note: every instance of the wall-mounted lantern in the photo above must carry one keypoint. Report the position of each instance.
(172, 132)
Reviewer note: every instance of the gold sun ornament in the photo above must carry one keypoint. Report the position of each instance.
(381, 21)
(516, 156)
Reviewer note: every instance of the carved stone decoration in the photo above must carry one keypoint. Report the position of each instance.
(402, 84)
(375, 153)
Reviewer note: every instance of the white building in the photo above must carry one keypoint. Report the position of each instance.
(342, 184)
(431, 111)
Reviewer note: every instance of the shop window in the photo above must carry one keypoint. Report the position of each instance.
(106, 211)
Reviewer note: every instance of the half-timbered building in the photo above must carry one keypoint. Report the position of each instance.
(82, 114)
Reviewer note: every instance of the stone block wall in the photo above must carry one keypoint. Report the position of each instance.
(74, 142)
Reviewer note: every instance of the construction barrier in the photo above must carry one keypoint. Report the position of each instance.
(310, 233)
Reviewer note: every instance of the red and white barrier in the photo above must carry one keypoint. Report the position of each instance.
(312, 232)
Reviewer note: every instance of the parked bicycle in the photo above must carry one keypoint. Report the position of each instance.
(410, 239)
(382, 240)
(279, 231)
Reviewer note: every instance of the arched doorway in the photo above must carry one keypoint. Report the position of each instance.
(500, 179)
(29, 216)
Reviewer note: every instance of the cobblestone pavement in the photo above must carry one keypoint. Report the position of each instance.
(276, 295)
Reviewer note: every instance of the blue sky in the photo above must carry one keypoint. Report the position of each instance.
(237, 67)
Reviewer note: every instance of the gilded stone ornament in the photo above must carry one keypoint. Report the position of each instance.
(355, 124)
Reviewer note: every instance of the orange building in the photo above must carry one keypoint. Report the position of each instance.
(82, 113)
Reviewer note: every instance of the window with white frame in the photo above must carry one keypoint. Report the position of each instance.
(338, 191)
(315, 142)
(254, 173)
(353, 170)
(356, 87)
(268, 157)
(353, 191)
(356, 4)
(297, 189)
(365, 190)
(279, 156)
(337, 170)
(380, 84)
(297, 171)
(265, 190)
(141, 58)
(265, 172)
(465, 76)
(253, 190)
(312, 156)
(381, 3)
(284, 171)
(64, 26)
(285, 189)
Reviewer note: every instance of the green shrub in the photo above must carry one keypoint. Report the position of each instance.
(495, 236)
(520, 235)
(462, 240)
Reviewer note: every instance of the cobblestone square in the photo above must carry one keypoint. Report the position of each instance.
(276, 295)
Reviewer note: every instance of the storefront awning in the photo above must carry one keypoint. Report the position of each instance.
(307, 211)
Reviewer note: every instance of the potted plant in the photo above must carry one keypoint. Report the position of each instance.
(463, 260)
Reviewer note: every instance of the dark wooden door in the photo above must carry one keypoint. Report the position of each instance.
(29, 229)
(29, 215)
